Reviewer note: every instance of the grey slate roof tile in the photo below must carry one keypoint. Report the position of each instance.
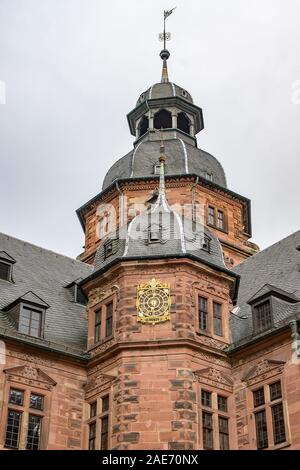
(45, 274)
(279, 266)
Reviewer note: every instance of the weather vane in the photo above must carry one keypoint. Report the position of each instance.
(166, 36)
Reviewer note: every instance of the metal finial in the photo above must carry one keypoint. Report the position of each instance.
(165, 54)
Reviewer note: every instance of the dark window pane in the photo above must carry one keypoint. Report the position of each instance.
(207, 430)
(211, 215)
(34, 432)
(13, 429)
(278, 423)
(202, 310)
(98, 316)
(259, 397)
(220, 220)
(223, 433)
(206, 398)
(222, 403)
(36, 401)
(105, 404)
(30, 322)
(104, 433)
(261, 430)
(16, 397)
(262, 316)
(275, 391)
(4, 271)
(93, 409)
(92, 436)
(217, 316)
(108, 323)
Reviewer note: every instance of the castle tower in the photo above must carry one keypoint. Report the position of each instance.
(162, 235)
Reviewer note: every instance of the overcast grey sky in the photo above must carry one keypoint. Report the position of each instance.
(73, 69)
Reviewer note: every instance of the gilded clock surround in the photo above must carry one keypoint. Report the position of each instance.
(153, 302)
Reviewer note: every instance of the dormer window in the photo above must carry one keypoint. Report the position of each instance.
(108, 249)
(156, 168)
(30, 321)
(6, 265)
(5, 271)
(77, 294)
(208, 176)
(154, 234)
(262, 316)
(184, 93)
(205, 243)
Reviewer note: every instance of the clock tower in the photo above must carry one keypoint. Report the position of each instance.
(162, 235)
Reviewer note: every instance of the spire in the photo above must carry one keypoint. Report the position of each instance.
(161, 201)
(165, 54)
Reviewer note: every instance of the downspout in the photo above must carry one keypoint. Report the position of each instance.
(193, 199)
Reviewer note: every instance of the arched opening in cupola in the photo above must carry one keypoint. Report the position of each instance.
(163, 119)
(183, 123)
(143, 125)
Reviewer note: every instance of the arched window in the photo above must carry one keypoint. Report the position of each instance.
(143, 126)
(183, 123)
(163, 119)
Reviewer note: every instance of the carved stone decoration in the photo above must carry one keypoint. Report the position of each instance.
(263, 370)
(29, 375)
(215, 378)
(98, 295)
(103, 347)
(209, 288)
(211, 342)
(97, 383)
(32, 358)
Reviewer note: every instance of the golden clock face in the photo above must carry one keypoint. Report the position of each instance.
(153, 302)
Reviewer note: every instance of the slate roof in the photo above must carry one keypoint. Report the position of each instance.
(40, 273)
(164, 90)
(276, 268)
(182, 158)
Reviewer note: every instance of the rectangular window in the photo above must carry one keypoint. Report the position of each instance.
(202, 310)
(93, 409)
(262, 317)
(278, 424)
(36, 401)
(261, 429)
(30, 322)
(105, 404)
(13, 429)
(104, 433)
(109, 320)
(97, 333)
(211, 215)
(275, 391)
(207, 430)
(5, 271)
(92, 436)
(221, 224)
(222, 403)
(34, 432)
(16, 397)
(223, 433)
(206, 398)
(259, 397)
(217, 317)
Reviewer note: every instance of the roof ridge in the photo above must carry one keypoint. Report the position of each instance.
(42, 248)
